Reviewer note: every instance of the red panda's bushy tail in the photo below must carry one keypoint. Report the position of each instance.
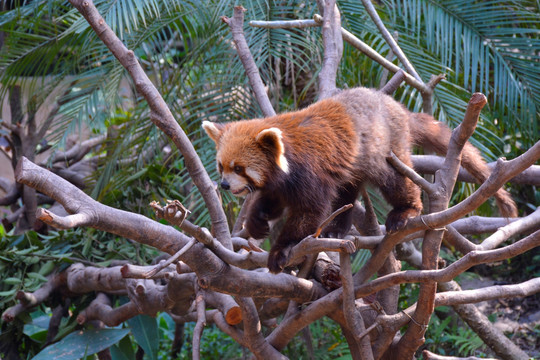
(435, 136)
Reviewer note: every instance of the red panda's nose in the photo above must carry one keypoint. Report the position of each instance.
(225, 185)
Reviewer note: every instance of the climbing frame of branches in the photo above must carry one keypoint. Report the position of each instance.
(220, 278)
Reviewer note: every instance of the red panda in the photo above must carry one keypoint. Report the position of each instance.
(315, 160)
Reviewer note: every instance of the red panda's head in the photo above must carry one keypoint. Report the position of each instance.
(247, 154)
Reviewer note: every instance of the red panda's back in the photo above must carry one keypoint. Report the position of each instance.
(382, 126)
(322, 137)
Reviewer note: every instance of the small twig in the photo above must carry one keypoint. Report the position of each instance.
(170, 260)
(239, 223)
(330, 218)
(368, 330)
(311, 245)
(371, 224)
(410, 173)
(389, 39)
(199, 326)
(130, 271)
(174, 212)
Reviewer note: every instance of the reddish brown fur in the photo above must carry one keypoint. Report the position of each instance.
(313, 160)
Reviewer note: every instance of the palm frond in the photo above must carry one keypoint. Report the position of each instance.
(490, 45)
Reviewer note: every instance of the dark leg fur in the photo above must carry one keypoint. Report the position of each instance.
(404, 196)
(341, 225)
(296, 228)
(262, 210)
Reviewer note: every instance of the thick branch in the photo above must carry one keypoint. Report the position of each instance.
(353, 318)
(29, 300)
(333, 47)
(429, 164)
(160, 115)
(100, 309)
(78, 151)
(253, 332)
(504, 171)
(212, 272)
(447, 274)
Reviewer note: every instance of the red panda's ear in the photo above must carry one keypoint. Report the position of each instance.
(272, 139)
(214, 130)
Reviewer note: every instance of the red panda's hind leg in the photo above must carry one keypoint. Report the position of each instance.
(341, 225)
(404, 196)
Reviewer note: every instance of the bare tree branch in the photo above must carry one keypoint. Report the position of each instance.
(354, 319)
(100, 309)
(253, 332)
(428, 355)
(389, 39)
(160, 115)
(333, 47)
(444, 275)
(494, 338)
(284, 24)
(391, 86)
(428, 164)
(236, 24)
(199, 326)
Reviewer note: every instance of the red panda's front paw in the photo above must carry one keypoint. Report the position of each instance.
(277, 258)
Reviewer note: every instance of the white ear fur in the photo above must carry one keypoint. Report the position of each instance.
(274, 137)
(212, 129)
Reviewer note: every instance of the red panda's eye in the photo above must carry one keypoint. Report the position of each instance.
(220, 168)
(238, 169)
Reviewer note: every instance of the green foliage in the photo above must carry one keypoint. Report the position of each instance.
(446, 336)
(214, 343)
(327, 341)
(83, 343)
(145, 332)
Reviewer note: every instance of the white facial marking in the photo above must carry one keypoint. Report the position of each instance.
(283, 163)
(254, 175)
(237, 183)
